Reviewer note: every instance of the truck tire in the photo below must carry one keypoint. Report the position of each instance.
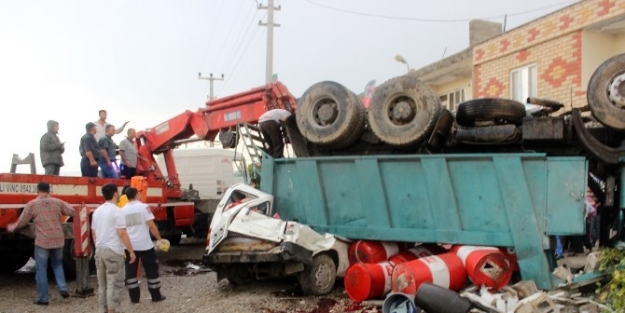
(69, 263)
(319, 277)
(175, 239)
(606, 93)
(12, 262)
(403, 111)
(238, 275)
(500, 111)
(329, 114)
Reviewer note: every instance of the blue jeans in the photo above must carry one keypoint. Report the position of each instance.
(41, 261)
(108, 171)
(559, 248)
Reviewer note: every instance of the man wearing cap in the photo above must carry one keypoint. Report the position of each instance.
(90, 152)
(101, 124)
(51, 149)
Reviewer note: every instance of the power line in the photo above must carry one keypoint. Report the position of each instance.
(236, 66)
(242, 34)
(229, 32)
(210, 38)
(416, 19)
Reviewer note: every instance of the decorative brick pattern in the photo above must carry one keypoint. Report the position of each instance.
(504, 45)
(532, 34)
(553, 43)
(557, 72)
(606, 5)
(477, 76)
(522, 55)
(494, 88)
(558, 65)
(566, 22)
(551, 26)
(479, 54)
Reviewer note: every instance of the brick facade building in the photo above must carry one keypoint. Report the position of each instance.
(552, 57)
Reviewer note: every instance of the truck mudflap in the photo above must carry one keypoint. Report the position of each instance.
(285, 252)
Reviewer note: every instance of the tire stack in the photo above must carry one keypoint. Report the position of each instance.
(488, 121)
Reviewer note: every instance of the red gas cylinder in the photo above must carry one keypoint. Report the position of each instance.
(445, 270)
(368, 281)
(415, 253)
(486, 266)
(365, 251)
(511, 254)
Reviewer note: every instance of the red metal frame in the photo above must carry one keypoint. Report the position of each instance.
(219, 115)
(17, 189)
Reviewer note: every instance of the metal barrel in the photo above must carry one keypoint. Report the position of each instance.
(445, 270)
(368, 281)
(366, 251)
(486, 266)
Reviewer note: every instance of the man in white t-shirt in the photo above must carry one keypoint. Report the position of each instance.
(269, 124)
(108, 228)
(140, 223)
(101, 124)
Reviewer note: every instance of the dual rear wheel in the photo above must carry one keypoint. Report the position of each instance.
(403, 112)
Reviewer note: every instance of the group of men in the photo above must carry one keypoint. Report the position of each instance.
(97, 150)
(122, 239)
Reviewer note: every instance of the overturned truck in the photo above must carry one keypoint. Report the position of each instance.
(405, 169)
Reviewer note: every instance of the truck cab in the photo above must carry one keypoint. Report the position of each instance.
(247, 242)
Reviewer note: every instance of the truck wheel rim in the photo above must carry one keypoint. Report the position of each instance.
(616, 91)
(325, 111)
(323, 276)
(401, 110)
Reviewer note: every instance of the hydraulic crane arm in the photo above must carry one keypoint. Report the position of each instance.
(219, 115)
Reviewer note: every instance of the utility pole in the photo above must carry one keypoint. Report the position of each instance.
(270, 25)
(211, 79)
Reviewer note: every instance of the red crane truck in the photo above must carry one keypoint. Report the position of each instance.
(172, 205)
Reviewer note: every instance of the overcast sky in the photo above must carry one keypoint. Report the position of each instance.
(65, 60)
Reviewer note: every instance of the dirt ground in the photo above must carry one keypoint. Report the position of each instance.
(188, 288)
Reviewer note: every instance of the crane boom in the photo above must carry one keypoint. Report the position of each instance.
(218, 115)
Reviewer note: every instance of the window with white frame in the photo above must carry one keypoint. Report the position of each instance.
(452, 99)
(523, 83)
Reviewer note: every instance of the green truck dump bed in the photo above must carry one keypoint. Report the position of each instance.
(506, 200)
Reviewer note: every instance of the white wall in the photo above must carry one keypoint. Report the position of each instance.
(596, 48)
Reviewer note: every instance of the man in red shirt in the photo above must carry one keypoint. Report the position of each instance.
(46, 212)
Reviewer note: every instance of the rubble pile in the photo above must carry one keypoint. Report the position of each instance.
(437, 278)
(377, 268)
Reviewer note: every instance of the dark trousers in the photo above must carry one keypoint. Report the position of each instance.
(273, 137)
(128, 172)
(150, 264)
(52, 169)
(86, 169)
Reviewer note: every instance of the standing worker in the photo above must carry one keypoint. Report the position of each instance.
(128, 152)
(46, 212)
(110, 236)
(51, 149)
(107, 162)
(90, 152)
(101, 126)
(269, 124)
(123, 199)
(140, 224)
